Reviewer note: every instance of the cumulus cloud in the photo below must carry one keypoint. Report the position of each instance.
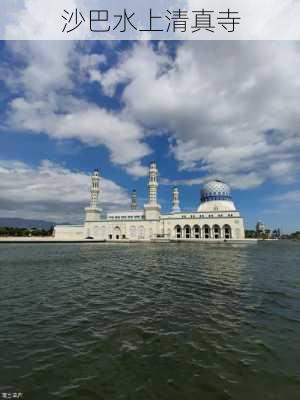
(40, 67)
(230, 108)
(66, 118)
(35, 19)
(45, 102)
(51, 192)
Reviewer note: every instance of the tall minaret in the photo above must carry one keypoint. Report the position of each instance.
(95, 190)
(175, 201)
(152, 208)
(93, 213)
(153, 184)
(133, 200)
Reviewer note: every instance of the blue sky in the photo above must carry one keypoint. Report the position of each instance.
(202, 110)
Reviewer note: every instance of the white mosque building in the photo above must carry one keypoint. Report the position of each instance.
(216, 218)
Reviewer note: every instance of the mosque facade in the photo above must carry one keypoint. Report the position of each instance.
(216, 218)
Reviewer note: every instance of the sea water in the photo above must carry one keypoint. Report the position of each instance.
(150, 321)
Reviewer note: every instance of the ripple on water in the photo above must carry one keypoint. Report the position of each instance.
(150, 321)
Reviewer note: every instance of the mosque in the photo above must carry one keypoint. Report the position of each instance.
(216, 218)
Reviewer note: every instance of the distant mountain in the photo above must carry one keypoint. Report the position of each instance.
(25, 223)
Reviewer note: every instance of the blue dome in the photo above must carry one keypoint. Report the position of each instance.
(215, 190)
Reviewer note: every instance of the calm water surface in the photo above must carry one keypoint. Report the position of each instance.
(163, 321)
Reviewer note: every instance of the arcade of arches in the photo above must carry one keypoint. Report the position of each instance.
(204, 232)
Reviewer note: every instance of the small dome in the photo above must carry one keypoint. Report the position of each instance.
(215, 190)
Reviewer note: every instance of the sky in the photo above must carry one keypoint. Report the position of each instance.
(202, 110)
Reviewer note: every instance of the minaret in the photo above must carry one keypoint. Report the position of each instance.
(152, 185)
(133, 200)
(93, 213)
(152, 208)
(95, 190)
(175, 201)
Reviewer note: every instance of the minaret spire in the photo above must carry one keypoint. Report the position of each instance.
(133, 200)
(95, 190)
(93, 213)
(175, 201)
(153, 184)
(152, 208)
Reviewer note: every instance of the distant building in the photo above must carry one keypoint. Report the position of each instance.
(276, 234)
(260, 229)
(216, 217)
(262, 232)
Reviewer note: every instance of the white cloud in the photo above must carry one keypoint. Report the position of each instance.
(45, 102)
(51, 192)
(89, 63)
(231, 109)
(137, 170)
(285, 199)
(283, 208)
(35, 19)
(46, 66)
(251, 180)
(67, 118)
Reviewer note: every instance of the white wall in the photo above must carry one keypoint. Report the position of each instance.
(146, 230)
(69, 232)
(133, 230)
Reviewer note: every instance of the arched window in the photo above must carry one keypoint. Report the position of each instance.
(206, 232)
(187, 231)
(227, 233)
(196, 231)
(117, 233)
(216, 232)
(178, 231)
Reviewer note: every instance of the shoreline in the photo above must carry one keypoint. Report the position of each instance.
(37, 240)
